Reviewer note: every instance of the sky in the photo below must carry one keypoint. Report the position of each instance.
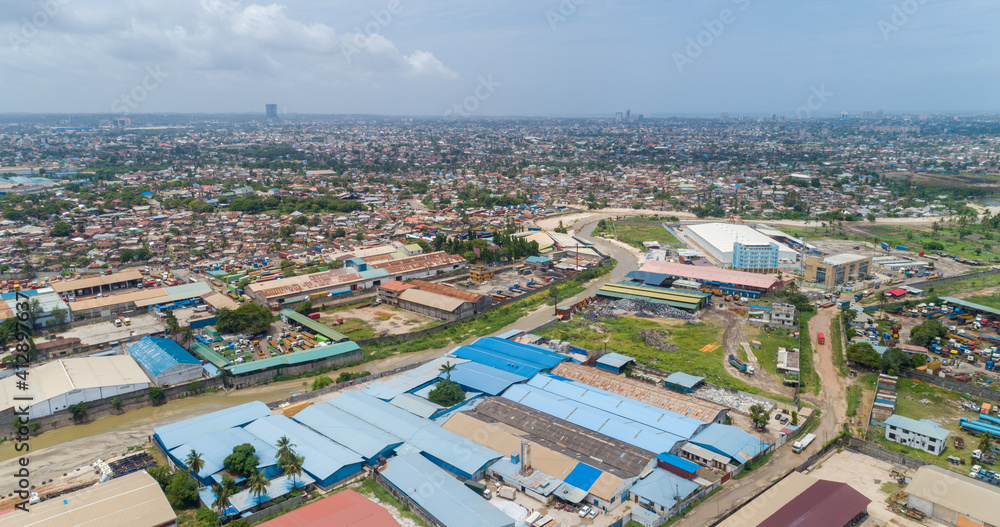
(464, 58)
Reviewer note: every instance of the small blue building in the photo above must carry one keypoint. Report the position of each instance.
(165, 361)
(614, 362)
(682, 382)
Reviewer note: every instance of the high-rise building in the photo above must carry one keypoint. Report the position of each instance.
(878, 114)
(618, 116)
(628, 115)
(272, 111)
(724, 116)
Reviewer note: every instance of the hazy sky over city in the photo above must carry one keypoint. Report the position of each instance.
(500, 57)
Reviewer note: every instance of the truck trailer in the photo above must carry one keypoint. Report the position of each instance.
(802, 444)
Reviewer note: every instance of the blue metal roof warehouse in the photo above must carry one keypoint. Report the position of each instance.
(176, 434)
(447, 501)
(165, 361)
(344, 429)
(609, 424)
(730, 441)
(216, 445)
(521, 359)
(327, 462)
(445, 448)
(482, 378)
(660, 490)
(630, 409)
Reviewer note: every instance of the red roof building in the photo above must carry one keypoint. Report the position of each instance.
(803, 501)
(344, 509)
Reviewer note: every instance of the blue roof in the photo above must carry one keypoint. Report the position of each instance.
(175, 434)
(543, 357)
(483, 378)
(685, 380)
(609, 424)
(730, 441)
(924, 427)
(321, 458)
(495, 360)
(451, 503)
(662, 487)
(583, 476)
(679, 462)
(615, 360)
(158, 355)
(626, 409)
(406, 382)
(343, 428)
(538, 259)
(215, 446)
(281, 485)
(647, 277)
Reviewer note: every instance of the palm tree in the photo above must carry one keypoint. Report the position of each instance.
(257, 484)
(284, 451)
(187, 335)
(222, 495)
(194, 462)
(446, 369)
(292, 467)
(986, 443)
(173, 327)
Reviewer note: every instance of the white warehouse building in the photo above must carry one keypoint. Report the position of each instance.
(741, 247)
(56, 385)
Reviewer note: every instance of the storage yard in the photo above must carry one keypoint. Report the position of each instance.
(371, 321)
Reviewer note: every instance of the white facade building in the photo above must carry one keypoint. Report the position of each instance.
(757, 251)
(923, 434)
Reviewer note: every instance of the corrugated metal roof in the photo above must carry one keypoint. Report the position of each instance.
(175, 434)
(433, 300)
(664, 489)
(62, 376)
(417, 406)
(321, 457)
(924, 427)
(957, 492)
(610, 293)
(615, 360)
(970, 305)
(280, 486)
(711, 274)
(94, 281)
(134, 500)
(451, 503)
(483, 378)
(345, 429)
(822, 504)
(158, 355)
(408, 381)
(685, 380)
(214, 446)
(316, 327)
(314, 354)
(729, 440)
(348, 507)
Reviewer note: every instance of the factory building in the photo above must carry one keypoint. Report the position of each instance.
(741, 247)
(953, 499)
(751, 285)
(165, 361)
(95, 285)
(837, 269)
(55, 386)
(799, 499)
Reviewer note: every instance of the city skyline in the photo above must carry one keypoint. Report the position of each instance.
(568, 58)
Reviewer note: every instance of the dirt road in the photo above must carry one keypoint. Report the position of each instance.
(732, 339)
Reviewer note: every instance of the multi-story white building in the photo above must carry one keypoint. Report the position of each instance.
(740, 247)
(923, 434)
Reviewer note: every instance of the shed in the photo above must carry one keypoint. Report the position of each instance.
(615, 362)
(682, 382)
(165, 362)
(661, 490)
(677, 465)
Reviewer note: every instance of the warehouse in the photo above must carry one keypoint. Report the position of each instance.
(363, 438)
(738, 446)
(837, 269)
(94, 285)
(750, 285)
(110, 306)
(324, 460)
(741, 247)
(687, 300)
(953, 499)
(434, 305)
(799, 499)
(169, 437)
(295, 363)
(436, 497)
(662, 492)
(133, 500)
(419, 266)
(679, 403)
(48, 302)
(524, 360)
(165, 361)
(298, 288)
(317, 328)
(55, 386)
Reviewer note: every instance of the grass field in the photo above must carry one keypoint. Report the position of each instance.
(837, 347)
(770, 341)
(853, 400)
(356, 329)
(622, 335)
(634, 235)
(918, 400)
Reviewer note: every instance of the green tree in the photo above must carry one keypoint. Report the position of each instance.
(986, 442)
(257, 484)
(926, 332)
(243, 460)
(173, 327)
(61, 229)
(116, 404)
(156, 395)
(194, 462)
(205, 517)
(893, 360)
(182, 491)
(321, 382)
(161, 475)
(304, 307)
(446, 393)
(59, 316)
(446, 369)
(283, 449)
(79, 411)
(864, 354)
(758, 416)
(249, 318)
(223, 491)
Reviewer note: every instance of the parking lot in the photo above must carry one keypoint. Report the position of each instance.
(502, 282)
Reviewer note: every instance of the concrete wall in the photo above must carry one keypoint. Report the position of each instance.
(250, 379)
(179, 374)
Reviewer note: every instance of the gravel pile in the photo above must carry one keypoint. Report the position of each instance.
(617, 308)
(741, 402)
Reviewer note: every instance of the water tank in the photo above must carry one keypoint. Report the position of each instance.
(515, 458)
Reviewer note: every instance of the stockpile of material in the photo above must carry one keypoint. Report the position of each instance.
(618, 308)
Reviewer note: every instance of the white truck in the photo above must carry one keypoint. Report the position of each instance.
(803, 443)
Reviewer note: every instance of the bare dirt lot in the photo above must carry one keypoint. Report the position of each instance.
(865, 475)
(381, 319)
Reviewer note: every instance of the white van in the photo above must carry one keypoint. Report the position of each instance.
(201, 309)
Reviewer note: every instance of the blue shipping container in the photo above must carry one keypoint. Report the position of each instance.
(902, 248)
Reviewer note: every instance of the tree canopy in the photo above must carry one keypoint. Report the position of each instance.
(248, 318)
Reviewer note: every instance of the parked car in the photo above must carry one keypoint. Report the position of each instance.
(593, 513)
(584, 510)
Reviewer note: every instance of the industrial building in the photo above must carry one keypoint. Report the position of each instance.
(632, 290)
(524, 360)
(54, 386)
(799, 499)
(662, 492)
(953, 499)
(436, 497)
(435, 300)
(923, 434)
(678, 403)
(95, 285)
(165, 362)
(741, 247)
(133, 500)
(318, 329)
(107, 307)
(296, 289)
(349, 509)
(837, 269)
(751, 285)
(48, 303)
(293, 363)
